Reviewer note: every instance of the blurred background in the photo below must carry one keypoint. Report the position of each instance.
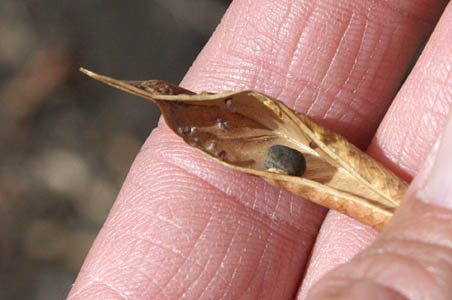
(67, 141)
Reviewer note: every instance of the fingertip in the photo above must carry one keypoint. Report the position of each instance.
(351, 290)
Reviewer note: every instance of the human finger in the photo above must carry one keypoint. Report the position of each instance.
(402, 142)
(412, 259)
(186, 227)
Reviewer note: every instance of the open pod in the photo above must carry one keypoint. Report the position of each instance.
(237, 128)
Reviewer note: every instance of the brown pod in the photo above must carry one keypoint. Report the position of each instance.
(237, 128)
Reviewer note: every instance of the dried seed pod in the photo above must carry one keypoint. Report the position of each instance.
(285, 159)
(337, 175)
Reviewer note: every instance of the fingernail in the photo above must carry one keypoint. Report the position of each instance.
(434, 182)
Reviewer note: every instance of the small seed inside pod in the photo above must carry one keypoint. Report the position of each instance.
(228, 102)
(222, 124)
(222, 155)
(313, 145)
(285, 159)
(229, 105)
(186, 129)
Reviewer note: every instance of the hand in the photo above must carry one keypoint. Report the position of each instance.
(184, 227)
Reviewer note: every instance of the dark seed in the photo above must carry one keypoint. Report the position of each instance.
(228, 102)
(222, 155)
(186, 129)
(285, 159)
(222, 124)
(313, 145)
(229, 105)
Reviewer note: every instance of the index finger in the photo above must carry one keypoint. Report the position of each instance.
(184, 227)
(402, 142)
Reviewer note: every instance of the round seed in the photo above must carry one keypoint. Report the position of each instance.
(313, 145)
(221, 123)
(285, 159)
(186, 129)
(222, 155)
(228, 102)
(229, 105)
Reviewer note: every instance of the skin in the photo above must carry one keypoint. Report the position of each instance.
(184, 227)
